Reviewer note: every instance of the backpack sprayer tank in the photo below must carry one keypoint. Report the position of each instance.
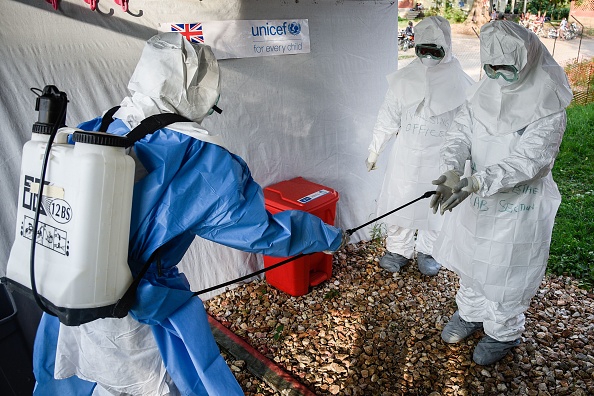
(79, 266)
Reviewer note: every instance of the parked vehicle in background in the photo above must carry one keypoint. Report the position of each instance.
(553, 33)
(571, 32)
(405, 41)
(564, 32)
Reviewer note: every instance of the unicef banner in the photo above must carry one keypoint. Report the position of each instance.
(245, 39)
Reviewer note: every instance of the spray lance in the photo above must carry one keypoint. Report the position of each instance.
(349, 232)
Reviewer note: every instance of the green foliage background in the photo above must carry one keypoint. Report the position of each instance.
(572, 247)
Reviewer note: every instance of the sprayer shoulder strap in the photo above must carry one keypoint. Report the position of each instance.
(147, 126)
(108, 118)
(152, 124)
(124, 304)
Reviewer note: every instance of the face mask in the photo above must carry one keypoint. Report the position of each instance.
(430, 62)
(503, 82)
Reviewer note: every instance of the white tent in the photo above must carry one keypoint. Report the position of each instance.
(308, 115)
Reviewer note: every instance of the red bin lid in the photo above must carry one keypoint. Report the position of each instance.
(299, 193)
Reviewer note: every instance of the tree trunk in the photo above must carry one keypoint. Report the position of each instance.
(478, 15)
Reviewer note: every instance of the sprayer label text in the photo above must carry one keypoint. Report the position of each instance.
(60, 210)
(29, 198)
(47, 236)
(52, 203)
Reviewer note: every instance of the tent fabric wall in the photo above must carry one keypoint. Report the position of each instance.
(308, 115)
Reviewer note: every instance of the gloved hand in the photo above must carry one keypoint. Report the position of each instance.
(371, 160)
(463, 189)
(445, 183)
(346, 237)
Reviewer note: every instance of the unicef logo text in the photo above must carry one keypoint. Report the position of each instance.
(293, 28)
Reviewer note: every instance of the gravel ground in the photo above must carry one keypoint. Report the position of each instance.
(368, 332)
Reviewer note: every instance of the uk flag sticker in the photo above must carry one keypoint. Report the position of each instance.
(191, 31)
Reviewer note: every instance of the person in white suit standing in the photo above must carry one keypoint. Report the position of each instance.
(498, 235)
(420, 104)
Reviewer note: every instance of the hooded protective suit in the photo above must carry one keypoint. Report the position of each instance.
(418, 108)
(498, 239)
(188, 185)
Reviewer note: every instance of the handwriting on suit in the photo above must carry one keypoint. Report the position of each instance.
(419, 124)
(508, 205)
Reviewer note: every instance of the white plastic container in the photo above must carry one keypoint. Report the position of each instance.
(83, 231)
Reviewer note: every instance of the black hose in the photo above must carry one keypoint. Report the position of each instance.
(425, 195)
(251, 275)
(59, 120)
(349, 232)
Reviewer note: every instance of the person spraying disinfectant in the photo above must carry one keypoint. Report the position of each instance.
(187, 184)
(419, 106)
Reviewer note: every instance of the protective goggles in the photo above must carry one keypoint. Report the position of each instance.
(429, 51)
(508, 72)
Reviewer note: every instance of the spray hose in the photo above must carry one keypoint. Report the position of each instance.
(425, 195)
(51, 105)
(349, 232)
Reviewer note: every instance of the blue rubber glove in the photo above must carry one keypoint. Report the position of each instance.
(346, 238)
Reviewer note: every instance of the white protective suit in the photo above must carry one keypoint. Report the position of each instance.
(418, 109)
(168, 62)
(497, 240)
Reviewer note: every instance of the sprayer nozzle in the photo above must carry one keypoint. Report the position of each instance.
(51, 105)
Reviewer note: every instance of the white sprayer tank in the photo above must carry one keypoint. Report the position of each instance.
(83, 230)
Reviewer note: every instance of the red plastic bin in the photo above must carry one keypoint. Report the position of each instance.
(296, 277)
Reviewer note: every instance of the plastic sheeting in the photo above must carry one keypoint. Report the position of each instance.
(308, 115)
